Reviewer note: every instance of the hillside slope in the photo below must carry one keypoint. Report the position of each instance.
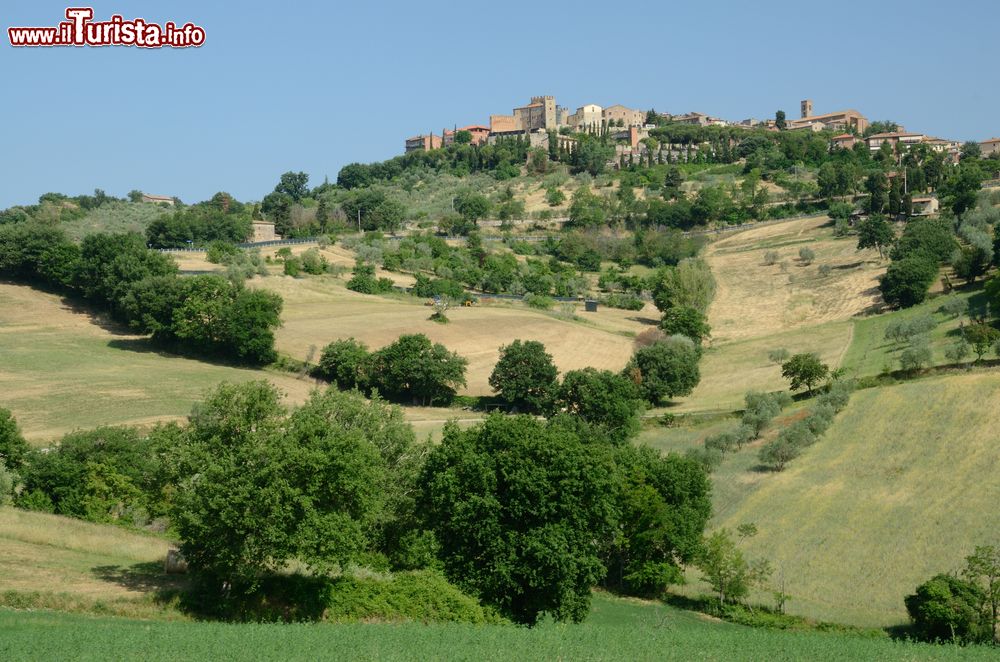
(903, 486)
(64, 368)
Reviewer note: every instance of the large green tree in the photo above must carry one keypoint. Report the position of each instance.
(520, 508)
(345, 363)
(260, 488)
(414, 369)
(906, 281)
(663, 505)
(804, 370)
(946, 608)
(525, 376)
(689, 284)
(665, 369)
(610, 403)
(13, 448)
(875, 232)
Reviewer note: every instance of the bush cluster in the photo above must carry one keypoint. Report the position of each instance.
(792, 440)
(141, 287)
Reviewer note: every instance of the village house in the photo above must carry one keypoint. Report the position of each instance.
(843, 141)
(263, 231)
(479, 134)
(612, 115)
(423, 143)
(842, 120)
(156, 199)
(925, 206)
(990, 147)
(586, 118)
(894, 138)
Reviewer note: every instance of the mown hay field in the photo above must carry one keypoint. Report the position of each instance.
(319, 310)
(64, 368)
(902, 487)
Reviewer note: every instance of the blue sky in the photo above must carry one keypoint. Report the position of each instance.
(315, 85)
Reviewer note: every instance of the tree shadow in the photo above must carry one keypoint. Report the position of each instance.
(274, 598)
(644, 320)
(146, 577)
(852, 265)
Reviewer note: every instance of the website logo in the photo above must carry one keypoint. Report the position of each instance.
(79, 29)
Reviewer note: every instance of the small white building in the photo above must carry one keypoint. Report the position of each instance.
(925, 206)
(156, 199)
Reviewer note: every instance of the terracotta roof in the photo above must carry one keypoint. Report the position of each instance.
(157, 197)
(990, 141)
(924, 199)
(843, 136)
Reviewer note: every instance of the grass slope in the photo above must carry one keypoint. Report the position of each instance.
(66, 564)
(63, 370)
(760, 307)
(870, 353)
(902, 487)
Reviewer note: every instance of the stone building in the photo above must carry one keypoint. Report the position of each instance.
(627, 116)
(424, 143)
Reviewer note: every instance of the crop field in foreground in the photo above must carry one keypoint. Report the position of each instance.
(616, 630)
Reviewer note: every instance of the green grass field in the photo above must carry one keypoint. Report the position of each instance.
(616, 630)
(870, 353)
(82, 591)
(902, 487)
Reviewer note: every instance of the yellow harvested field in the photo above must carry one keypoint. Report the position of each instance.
(729, 370)
(319, 310)
(754, 299)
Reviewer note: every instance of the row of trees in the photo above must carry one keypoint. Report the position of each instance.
(141, 287)
(222, 218)
(527, 515)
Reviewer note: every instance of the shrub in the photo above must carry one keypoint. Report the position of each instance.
(219, 251)
(313, 263)
(946, 608)
(423, 595)
(771, 258)
(9, 484)
(825, 270)
(807, 255)
(761, 408)
(954, 306)
(364, 280)
(293, 266)
(778, 452)
(539, 301)
(778, 355)
(624, 301)
(708, 458)
(916, 356)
